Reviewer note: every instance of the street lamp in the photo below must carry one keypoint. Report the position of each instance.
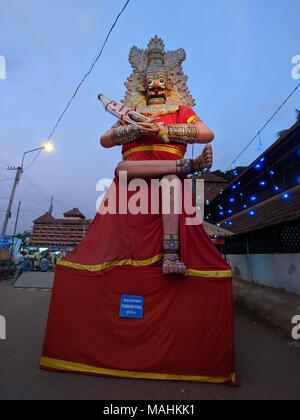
(47, 147)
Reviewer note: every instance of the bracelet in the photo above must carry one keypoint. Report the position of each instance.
(183, 133)
(126, 134)
(171, 244)
(185, 167)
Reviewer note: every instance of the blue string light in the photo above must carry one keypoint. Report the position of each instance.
(254, 198)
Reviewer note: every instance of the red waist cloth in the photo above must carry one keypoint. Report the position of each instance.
(187, 329)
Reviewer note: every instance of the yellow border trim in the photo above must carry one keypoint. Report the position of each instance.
(192, 119)
(104, 266)
(155, 148)
(209, 274)
(62, 365)
(143, 263)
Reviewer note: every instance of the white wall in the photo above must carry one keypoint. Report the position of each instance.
(281, 271)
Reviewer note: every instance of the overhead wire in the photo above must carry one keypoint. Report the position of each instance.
(263, 127)
(98, 56)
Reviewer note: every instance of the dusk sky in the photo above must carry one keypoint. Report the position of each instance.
(239, 63)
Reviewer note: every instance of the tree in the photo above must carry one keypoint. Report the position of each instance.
(25, 236)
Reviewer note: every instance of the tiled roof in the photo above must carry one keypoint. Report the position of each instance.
(210, 177)
(213, 186)
(213, 231)
(74, 213)
(45, 219)
(271, 212)
(70, 218)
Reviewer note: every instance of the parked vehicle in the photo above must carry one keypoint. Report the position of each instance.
(6, 264)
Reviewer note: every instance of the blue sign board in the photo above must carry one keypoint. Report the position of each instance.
(5, 241)
(132, 307)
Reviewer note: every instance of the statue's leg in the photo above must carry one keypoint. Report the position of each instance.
(167, 169)
(147, 169)
(171, 241)
(159, 168)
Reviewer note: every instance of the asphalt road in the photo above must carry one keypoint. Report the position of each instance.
(268, 365)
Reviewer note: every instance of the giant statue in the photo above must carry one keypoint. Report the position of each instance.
(146, 294)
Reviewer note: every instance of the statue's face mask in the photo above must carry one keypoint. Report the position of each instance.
(157, 78)
(156, 85)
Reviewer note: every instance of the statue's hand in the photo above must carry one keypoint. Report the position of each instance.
(205, 160)
(152, 127)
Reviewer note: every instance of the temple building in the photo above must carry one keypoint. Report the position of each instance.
(213, 186)
(58, 234)
(262, 208)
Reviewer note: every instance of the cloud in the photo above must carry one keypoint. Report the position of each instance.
(268, 106)
(88, 22)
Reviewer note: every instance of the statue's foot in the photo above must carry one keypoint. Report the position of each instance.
(186, 167)
(173, 265)
(205, 160)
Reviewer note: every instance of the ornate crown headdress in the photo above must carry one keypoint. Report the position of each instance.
(153, 58)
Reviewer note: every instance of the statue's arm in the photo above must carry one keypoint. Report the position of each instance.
(106, 139)
(120, 135)
(190, 133)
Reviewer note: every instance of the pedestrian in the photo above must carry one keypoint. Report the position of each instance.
(44, 264)
(36, 263)
(19, 263)
(26, 263)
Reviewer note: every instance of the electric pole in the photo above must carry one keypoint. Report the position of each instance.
(17, 219)
(12, 196)
(20, 169)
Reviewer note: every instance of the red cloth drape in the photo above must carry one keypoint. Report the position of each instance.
(187, 329)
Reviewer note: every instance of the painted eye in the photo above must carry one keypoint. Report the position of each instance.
(162, 81)
(150, 82)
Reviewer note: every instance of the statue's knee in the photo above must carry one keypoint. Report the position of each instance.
(119, 169)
